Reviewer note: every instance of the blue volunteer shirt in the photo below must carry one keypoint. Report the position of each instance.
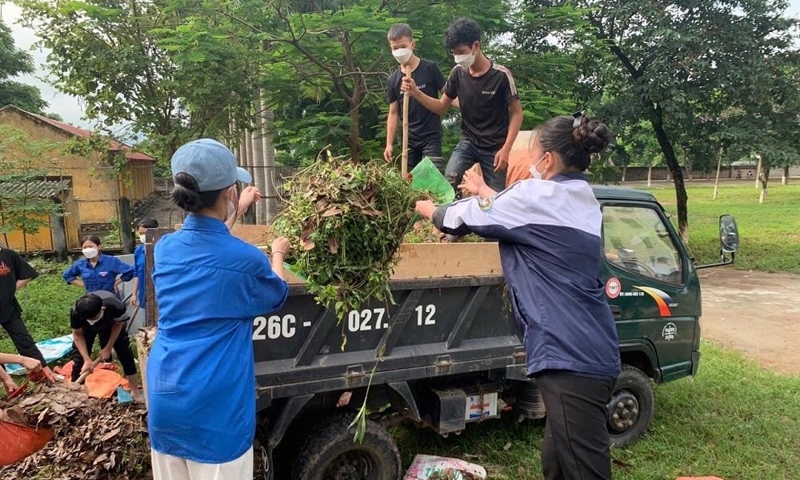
(201, 384)
(549, 234)
(138, 268)
(101, 276)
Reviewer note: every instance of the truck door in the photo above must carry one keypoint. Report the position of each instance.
(647, 282)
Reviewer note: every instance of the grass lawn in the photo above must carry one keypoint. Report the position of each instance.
(734, 420)
(769, 233)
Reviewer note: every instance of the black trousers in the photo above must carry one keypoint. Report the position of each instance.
(22, 339)
(576, 443)
(429, 148)
(122, 346)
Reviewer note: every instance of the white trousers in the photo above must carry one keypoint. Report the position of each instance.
(167, 467)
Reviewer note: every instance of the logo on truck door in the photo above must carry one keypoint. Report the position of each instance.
(664, 301)
(669, 332)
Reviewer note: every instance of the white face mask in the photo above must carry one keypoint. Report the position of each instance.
(402, 55)
(464, 61)
(535, 173)
(92, 322)
(232, 206)
(141, 239)
(90, 252)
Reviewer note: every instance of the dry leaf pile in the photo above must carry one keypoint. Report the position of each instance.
(346, 222)
(94, 439)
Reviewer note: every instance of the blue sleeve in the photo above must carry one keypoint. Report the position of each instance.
(274, 289)
(72, 272)
(267, 292)
(138, 261)
(123, 269)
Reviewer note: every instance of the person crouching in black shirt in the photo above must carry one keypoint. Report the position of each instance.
(102, 314)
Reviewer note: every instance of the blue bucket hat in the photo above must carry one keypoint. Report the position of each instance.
(210, 163)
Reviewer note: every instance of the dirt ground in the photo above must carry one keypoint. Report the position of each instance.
(756, 313)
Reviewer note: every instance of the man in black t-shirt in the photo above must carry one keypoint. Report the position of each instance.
(424, 126)
(102, 314)
(491, 114)
(15, 274)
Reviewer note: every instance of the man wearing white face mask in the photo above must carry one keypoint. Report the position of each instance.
(424, 126)
(101, 314)
(491, 114)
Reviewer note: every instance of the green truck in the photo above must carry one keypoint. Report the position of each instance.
(447, 352)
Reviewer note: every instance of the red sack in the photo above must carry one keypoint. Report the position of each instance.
(19, 441)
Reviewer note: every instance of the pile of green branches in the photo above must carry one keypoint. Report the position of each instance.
(346, 222)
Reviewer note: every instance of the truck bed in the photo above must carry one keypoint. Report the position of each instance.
(436, 327)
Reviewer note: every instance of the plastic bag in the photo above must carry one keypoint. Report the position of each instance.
(429, 467)
(19, 441)
(427, 178)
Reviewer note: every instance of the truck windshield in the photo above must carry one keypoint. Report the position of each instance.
(637, 240)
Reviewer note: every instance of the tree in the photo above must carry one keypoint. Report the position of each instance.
(324, 64)
(669, 57)
(15, 62)
(545, 71)
(108, 52)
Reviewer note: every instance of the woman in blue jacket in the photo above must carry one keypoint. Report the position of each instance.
(209, 286)
(549, 232)
(97, 271)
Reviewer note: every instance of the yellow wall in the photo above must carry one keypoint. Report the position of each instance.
(140, 182)
(41, 241)
(96, 193)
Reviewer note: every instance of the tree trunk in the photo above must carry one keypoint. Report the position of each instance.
(353, 138)
(719, 167)
(624, 172)
(758, 169)
(272, 198)
(785, 177)
(125, 224)
(259, 177)
(649, 176)
(682, 199)
(764, 180)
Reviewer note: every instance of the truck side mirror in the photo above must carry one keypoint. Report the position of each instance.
(728, 242)
(728, 235)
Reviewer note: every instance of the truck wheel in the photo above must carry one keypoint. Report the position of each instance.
(630, 411)
(330, 453)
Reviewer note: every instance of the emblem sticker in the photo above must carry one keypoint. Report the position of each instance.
(664, 302)
(613, 287)
(669, 332)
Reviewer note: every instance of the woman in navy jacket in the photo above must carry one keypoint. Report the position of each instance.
(549, 232)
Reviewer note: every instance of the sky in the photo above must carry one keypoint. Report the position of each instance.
(71, 108)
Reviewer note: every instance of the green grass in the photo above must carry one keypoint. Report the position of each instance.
(45, 304)
(769, 233)
(735, 420)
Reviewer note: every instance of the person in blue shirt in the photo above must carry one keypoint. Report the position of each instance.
(138, 290)
(209, 286)
(549, 233)
(97, 271)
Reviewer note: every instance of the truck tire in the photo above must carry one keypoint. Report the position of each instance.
(630, 411)
(330, 453)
